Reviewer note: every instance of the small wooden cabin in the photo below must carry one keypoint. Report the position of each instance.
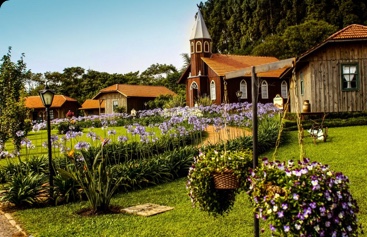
(332, 76)
(60, 106)
(129, 96)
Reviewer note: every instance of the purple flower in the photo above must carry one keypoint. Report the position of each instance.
(280, 214)
(313, 205)
(286, 228)
(82, 145)
(20, 133)
(121, 139)
(322, 211)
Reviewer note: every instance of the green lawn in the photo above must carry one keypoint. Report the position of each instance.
(345, 151)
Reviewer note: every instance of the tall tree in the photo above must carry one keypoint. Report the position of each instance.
(12, 110)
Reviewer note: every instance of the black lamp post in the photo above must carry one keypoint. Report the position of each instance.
(47, 96)
(239, 95)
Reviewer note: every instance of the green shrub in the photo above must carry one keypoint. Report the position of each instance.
(64, 127)
(24, 188)
(157, 169)
(66, 190)
(3, 176)
(37, 164)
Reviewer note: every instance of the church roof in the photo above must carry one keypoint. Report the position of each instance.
(224, 63)
(199, 31)
(137, 90)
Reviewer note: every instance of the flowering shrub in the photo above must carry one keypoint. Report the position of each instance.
(200, 183)
(304, 200)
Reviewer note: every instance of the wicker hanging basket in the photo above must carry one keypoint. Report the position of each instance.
(225, 180)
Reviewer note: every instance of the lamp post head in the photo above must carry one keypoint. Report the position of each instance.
(47, 96)
(239, 94)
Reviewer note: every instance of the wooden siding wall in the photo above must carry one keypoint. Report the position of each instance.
(109, 98)
(323, 78)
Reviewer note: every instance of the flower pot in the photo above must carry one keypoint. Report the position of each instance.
(225, 180)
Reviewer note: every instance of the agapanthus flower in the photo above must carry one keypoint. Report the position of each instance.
(82, 145)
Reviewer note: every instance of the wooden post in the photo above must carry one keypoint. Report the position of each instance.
(255, 162)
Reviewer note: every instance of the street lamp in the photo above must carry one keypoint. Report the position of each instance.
(47, 96)
(239, 95)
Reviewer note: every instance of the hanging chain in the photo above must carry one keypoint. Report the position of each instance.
(299, 123)
(281, 126)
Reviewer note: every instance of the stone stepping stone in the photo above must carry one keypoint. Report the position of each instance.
(148, 209)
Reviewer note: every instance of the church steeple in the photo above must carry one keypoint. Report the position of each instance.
(199, 31)
(200, 45)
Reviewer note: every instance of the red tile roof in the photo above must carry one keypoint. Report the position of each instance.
(35, 102)
(353, 31)
(137, 90)
(349, 33)
(93, 104)
(224, 63)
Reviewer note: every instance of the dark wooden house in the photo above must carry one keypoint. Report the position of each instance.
(332, 76)
(60, 106)
(206, 74)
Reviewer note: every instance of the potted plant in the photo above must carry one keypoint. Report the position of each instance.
(307, 199)
(201, 186)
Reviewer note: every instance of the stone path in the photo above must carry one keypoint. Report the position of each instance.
(8, 227)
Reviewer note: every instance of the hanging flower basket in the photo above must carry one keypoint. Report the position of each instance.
(304, 199)
(226, 180)
(217, 196)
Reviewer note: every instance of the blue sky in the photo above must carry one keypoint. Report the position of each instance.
(114, 36)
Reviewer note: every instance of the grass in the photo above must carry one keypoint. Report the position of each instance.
(345, 151)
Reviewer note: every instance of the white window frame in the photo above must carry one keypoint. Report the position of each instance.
(302, 84)
(206, 47)
(213, 90)
(264, 90)
(284, 89)
(115, 104)
(349, 75)
(243, 89)
(198, 44)
(194, 85)
(192, 47)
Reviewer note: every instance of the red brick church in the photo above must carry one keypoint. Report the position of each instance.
(206, 74)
